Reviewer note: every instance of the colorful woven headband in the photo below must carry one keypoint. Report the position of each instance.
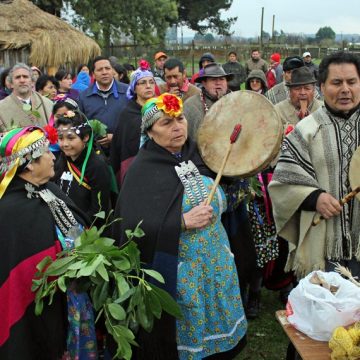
(20, 146)
(142, 71)
(154, 108)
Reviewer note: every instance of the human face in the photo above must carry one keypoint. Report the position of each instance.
(216, 87)
(145, 89)
(22, 83)
(287, 75)
(170, 133)
(103, 73)
(302, 92)
(255, 55)
(70, 143)
(85, 69)
(42, 168)
(60, 111)
(65, 83)
(255, 84)
(342, 87)
(49, 90)
(174, 77)
(307, 59)
(232, 58)
(159, 63)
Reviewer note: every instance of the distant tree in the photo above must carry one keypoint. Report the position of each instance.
(209, 38)
(51, 6)
(325, 32)
(203, 15)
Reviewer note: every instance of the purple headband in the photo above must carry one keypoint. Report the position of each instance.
(142, 71)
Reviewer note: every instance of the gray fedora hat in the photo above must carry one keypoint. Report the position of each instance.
(213, 70)
(301, 76)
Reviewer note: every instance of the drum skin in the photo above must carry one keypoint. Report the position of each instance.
(259, 140)
(354, 171)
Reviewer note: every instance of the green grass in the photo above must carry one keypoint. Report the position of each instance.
(265, 337)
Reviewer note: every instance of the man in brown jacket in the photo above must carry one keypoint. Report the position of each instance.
(176, 80)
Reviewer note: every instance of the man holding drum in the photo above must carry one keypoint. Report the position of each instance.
(312, 175)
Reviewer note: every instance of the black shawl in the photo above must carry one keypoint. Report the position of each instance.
(126, 140)
(27, 235)
(152, 192)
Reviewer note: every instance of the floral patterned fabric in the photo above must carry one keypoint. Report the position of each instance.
(208, 289)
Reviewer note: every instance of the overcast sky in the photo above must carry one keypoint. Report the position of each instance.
(299, 16)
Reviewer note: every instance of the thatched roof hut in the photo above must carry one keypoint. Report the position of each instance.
(31, 35)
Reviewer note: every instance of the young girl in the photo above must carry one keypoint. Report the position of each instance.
(79, 171)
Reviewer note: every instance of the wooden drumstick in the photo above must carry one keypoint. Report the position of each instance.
(233, 138)
(342, 201)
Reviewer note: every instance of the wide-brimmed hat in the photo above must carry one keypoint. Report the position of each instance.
(213, 70)
(301, 76)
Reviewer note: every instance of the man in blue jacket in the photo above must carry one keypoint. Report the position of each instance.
(104, 99)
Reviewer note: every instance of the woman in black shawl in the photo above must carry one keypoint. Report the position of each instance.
(37, 220)
(166, 187)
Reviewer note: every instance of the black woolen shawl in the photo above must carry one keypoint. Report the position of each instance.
(27, 230)
(152, 192)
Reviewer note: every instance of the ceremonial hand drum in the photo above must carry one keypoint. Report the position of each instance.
(354, 171)
(258, 143)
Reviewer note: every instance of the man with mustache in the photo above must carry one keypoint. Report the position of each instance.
(301, 101)
(24, 106)
(312, 174)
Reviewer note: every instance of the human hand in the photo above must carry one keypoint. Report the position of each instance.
(327, 206)
(106, 140)
(198, 217)
(174, 90)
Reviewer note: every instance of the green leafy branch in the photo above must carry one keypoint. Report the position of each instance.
(113, 277)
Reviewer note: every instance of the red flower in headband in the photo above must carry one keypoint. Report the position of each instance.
(289, 129)
(144, 65)
(51, 134)
(170, 104)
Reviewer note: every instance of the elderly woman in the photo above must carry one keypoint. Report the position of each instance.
(166, 187)
(126, 140)
(37, 220)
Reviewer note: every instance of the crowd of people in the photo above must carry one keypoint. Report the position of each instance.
(126, 139)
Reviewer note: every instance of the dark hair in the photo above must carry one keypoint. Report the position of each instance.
(77, 120)
(62, 74)
(122, 71)
(253, 50)
(232, 53)
(173, 63)
(3, 76)
(43, 80)
(80, 67)
(99, 58)
(62, 103)
(339, 57)
(129, 67)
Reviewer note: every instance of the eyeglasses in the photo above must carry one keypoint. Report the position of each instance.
(255, 81)
(145, 82)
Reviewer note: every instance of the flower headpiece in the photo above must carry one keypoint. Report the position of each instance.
(154, 108)
(18, 147)
(142, 71)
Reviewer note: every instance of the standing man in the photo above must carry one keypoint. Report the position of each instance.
(158, 71)
(309, 64)
(176, 81)
(255, 62)
(104, 99)
(301, 102)
(235, 68)
(24, 106)
(313, 174)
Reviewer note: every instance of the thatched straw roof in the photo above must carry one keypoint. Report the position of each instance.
(52, 41)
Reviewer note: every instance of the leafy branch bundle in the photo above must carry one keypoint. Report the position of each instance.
(115, 281)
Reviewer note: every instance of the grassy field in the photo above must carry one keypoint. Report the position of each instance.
(266, 339)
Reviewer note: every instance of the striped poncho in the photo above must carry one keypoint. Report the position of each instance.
(317, 155)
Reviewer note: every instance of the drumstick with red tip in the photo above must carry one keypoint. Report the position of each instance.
(234, 135)
(343, 201)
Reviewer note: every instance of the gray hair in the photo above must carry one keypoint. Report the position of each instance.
(19, 66)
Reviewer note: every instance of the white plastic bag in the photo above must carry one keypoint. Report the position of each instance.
(316, 312)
